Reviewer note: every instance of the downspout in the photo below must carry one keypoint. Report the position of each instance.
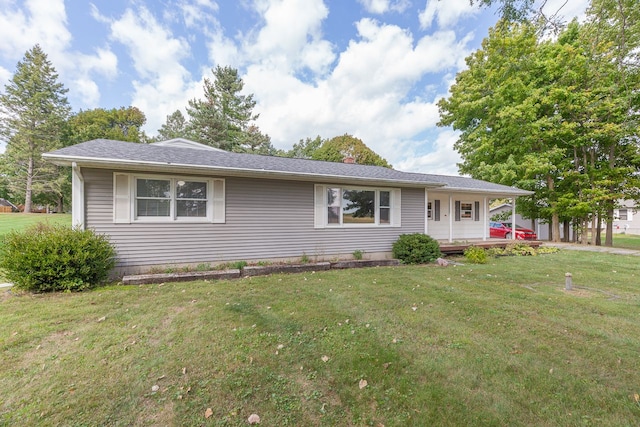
(77, 197)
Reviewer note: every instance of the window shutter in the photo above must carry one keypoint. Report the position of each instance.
(436, 210)
(457, 210)
(219, 207)
(121, 198)
(396, 208)
(476, 207)
(319, 206)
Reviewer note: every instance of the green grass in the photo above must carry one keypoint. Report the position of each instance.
(627, 241)
(477, 345)
(20, 221)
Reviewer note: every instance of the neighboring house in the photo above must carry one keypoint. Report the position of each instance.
(180, 202)
(626, 220)
(6, 206)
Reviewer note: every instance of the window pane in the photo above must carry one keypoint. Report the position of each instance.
(151, 207)
(333, 215)
(385, 199)
(384, 215)
(466, 210)
(358, 207)
(191, 190)
(429, 212)
(157, 188)
(191, 208)
(333, 197)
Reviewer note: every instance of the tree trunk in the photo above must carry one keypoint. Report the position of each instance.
(27, 197)
(608, 240)
(60, 208)
(599, 232)
(555, 220)
(594, 229)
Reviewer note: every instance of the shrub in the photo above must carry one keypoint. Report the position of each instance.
(357, 254)
(416, 248)
(47, 258)
(475, 255)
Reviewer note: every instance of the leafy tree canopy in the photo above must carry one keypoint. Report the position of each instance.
(339, 147)
(120, 124)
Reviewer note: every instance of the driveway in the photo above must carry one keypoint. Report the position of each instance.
(590, 248)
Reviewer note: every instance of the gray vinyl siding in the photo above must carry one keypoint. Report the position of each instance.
(265, 219)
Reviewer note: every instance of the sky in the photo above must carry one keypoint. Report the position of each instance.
(374, 69)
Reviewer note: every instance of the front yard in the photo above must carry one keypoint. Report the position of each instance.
(496, 344)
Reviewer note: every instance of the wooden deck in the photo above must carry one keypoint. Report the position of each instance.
(458, 247)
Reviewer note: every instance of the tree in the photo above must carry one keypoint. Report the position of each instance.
(121, 124)
(222, 118)
(305, 148)
(339, 147)
(255, 142)
(33, 111)
(550, 116)
(175, 127)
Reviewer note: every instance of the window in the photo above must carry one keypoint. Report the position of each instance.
(429, 211)
(466, 210)
(622, 214)
(354, 207)
(160, 198)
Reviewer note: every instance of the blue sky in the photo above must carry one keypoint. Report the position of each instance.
(371, 68)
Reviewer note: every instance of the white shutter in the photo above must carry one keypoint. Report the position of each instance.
(319, 206)
(121, 198)
(219, 208)
(396, 211)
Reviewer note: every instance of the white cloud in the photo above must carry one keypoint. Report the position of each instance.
(365, 94)
(44, 22)
(382, 6)
(446, 13)
(163, 84)
(441, 161)
(291, 36)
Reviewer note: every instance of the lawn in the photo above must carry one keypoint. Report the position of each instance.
(474, 345)
(20, 221)
(627, 241)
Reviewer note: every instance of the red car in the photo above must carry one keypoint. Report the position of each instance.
(502, 230)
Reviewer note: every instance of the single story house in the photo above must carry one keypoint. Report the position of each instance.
(7, 207)
(178, 203)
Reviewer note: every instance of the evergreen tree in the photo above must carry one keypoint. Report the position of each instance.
(175, 127)
(339, 147)
(222, 118)
(33, 111)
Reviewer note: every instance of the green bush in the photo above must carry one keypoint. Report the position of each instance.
(47, 258)
(475, 255)
(416, 248)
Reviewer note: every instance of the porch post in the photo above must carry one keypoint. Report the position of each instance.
(426, 211)
(485, 219)
(450, 218)
(513, 218)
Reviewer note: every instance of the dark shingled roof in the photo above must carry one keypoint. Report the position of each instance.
(104, 153)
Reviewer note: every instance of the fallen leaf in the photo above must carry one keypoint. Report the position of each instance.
(208, 413)
(254, 419)
(102, 319)
(325, 358)
(280, 346)
(636, 397)
(184, 371)
(155, 388)
(362, 384)
(414, 308)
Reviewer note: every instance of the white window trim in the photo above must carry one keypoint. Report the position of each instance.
(472, 216)
(322, 212)
(127, 194)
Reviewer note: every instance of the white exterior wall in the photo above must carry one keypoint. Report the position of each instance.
(448, 228)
